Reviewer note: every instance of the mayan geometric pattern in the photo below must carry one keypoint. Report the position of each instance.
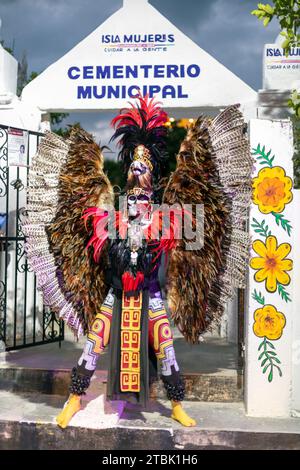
(160, 336)
(98, 336)
(130, 343)
(169, 360)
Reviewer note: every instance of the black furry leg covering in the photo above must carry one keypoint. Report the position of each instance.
(79, 382)
(175, 389)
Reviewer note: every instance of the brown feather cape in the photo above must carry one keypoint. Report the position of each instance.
(214, 168)
(82, 183)
(66, 177)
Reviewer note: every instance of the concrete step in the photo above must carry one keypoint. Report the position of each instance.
(225, 386)
(27, 421)
(210, 369)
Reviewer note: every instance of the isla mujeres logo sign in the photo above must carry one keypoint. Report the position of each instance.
(137, 42)
(276, 58)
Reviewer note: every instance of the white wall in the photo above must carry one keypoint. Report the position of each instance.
(296, 311)
(8, 72)
(270, 394)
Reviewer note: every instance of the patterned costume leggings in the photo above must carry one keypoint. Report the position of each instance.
(160, 339)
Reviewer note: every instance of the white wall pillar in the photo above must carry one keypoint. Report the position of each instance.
(296, 311)
(8, 72)
(268, 372)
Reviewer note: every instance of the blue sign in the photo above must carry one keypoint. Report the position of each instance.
(139, 72)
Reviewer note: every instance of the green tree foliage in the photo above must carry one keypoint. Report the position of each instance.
(7, 48)
(22, 73)
(113, 169)
(288, 14)
(294, 103)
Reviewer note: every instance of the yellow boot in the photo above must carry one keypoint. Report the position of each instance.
(71, 407)
(180, 415)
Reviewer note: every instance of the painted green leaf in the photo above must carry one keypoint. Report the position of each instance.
(261, 355)
(258, 297)
(261, 228)
(264, 157)
(283, 293)
(264, 361)
(284, 223)
(270, 376)
(277, 360)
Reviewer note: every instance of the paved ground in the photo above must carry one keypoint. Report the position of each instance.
(211, 416)
(27, 420)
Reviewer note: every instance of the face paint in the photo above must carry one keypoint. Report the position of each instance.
(138, 206)
(138, 168)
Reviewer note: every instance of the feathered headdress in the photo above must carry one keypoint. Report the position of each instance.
(142, 124)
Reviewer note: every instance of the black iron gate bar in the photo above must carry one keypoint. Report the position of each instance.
(52, 328)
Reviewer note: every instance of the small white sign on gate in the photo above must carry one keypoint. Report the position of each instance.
(17, 145)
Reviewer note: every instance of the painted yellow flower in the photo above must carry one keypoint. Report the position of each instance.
(271, 264)
(268, 322)
(272, 190)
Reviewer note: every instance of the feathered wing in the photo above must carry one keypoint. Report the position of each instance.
(214, 167)
(66, 177)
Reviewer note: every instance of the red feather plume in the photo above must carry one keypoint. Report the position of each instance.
(150, 110)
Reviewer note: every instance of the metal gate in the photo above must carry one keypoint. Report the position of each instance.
(24, 320)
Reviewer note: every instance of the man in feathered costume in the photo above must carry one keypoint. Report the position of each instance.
(104, 283)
